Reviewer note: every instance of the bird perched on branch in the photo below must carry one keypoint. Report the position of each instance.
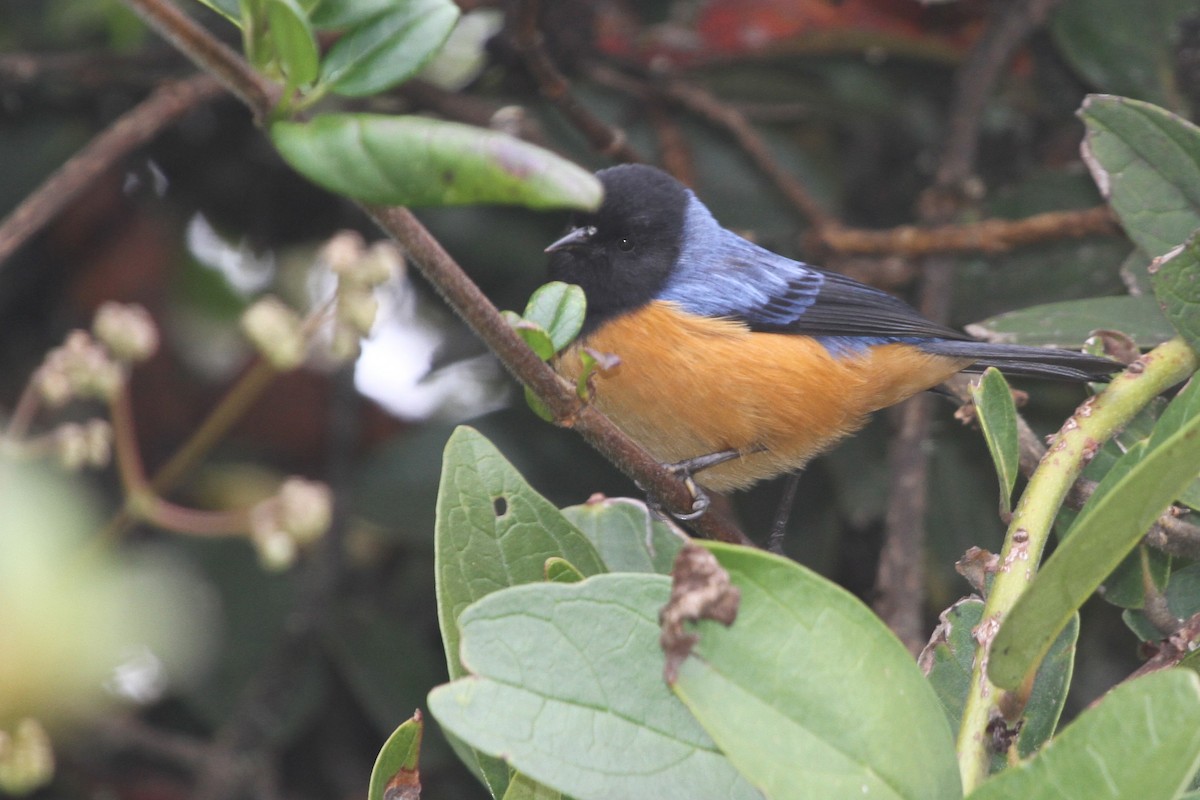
(735, 362)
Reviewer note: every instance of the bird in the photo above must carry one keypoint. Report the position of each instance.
(736, 363)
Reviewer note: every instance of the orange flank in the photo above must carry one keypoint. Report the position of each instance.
(688, 386)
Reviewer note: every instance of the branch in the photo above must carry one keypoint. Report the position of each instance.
(133, 129)
(527, 40)
(461, 294)
(987, 236)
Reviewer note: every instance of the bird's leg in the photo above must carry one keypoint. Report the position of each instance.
(686, 469)
(782, 513)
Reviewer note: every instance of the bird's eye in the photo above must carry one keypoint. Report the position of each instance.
(625, 243)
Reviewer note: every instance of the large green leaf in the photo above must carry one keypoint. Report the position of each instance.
(387, 48)
(567, 686)
(1122, 47)
(492, 531)
(810, 695)
(1071, 322)
(1176, 280)
(1141, 742)
(1146, 161)
(417, 161)
(1108, 528)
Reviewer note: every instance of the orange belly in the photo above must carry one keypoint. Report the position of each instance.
(689, 386)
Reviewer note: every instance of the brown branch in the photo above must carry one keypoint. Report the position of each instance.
(462, 295)
(527, 40)
(1176, 647)
(209, 53)
(987, 236)
(133, 129)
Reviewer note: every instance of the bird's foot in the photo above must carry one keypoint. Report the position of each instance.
(686, 469)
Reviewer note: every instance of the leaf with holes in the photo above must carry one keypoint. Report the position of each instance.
(414, 161)
(492, 530)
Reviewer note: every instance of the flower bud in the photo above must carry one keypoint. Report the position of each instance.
(71, 446)
(26, 759)
(305, 509)
(276, 332)
(357, 307)
(128, 331)
(343, 252)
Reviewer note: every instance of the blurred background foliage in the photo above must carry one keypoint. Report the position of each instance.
(302, 674)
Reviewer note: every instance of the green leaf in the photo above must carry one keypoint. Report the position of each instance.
(950, 658)
(399, 759)
(997, 415)
(388, 48)
(1182, 594)
(1070, 323)
(536, 337)
(559, 570)
(293, 41)
(342, 14)
(626, 535)
(786, 690)
(1146, 161)
(559, 309)
(523, 787)
(567, 686)
(492, 531)
(423, 162)
(1121, 47)
(1141, 741)
(1108, 528)
(1176, 280)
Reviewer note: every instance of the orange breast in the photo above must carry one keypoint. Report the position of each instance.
(689, 386)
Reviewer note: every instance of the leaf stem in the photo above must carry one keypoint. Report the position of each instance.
(1093, 423)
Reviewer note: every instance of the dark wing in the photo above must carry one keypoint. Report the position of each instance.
(723, 275)
(773, 294)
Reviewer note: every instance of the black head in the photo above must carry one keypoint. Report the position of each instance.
(623, 253)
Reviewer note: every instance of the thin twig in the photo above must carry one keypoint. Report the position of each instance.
(605, 139)
(132, 130)
(986, 236)
(1176, 647)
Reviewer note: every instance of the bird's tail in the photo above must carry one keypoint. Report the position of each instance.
(1029, 362)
